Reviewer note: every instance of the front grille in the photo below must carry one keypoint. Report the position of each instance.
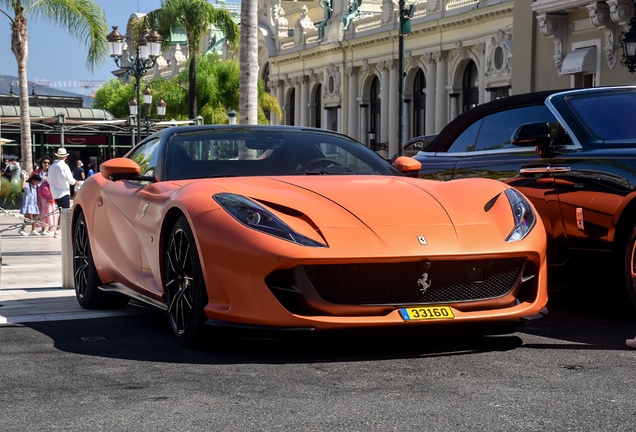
(397, 283)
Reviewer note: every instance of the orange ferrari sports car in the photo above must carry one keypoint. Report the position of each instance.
(305, 229)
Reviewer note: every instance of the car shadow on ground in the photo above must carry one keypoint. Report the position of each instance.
(585, 319)
(577, 320)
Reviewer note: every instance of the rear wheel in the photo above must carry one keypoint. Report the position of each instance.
(85, 274)
(184, 286)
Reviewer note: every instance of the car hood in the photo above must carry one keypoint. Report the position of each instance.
(394, 209)
(372, 201)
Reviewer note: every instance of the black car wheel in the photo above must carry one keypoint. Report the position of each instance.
(184, 287)
(85, 274)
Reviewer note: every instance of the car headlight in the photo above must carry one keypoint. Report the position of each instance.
(255, 216)
(524, 216)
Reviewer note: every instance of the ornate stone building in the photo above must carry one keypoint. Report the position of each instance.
(572, 44)
(341, 73)
(333, 64)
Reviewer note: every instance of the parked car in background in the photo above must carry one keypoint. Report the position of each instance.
(415, 145)
(572, 153)
(304, 230)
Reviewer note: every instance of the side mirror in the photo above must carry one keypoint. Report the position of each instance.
(533, 134)
(122, 169)
(408, 166)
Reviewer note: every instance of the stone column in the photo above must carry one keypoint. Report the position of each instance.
(454, 109)
(441, 99)
(297, 102)
(431, 80)
(394, 106)
(480, 50)
(304, 101)
(385, 97)
(364, 128)
(351, 128)
(407, 121)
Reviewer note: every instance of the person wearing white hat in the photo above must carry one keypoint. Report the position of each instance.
(60, 179)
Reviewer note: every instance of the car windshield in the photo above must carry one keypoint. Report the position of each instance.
(262, 152)
(609, 116)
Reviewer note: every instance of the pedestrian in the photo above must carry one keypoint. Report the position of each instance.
(60, 179)
(6, 173)
(30, 201)
(90, 170)
(15, 169)
(79, 176)
(46, 203)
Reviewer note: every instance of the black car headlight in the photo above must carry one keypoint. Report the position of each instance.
(257, 217)
(524, 216)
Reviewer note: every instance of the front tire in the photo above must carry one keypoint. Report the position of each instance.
(85, 274)
(184, 286)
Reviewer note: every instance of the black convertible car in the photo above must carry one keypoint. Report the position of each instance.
(573, 153)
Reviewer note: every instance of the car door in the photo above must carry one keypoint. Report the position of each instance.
(118, 205)
(600, 161)
(485, 150)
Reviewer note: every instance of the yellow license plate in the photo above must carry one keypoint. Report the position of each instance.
(426, 313)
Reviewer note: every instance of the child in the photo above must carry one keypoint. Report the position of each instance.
(30, 201)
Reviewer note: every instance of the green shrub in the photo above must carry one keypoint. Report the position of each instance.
(10, 191)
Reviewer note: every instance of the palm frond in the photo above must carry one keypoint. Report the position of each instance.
(83, 19)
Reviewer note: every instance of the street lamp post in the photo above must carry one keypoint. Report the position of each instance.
(147, 101)
(405, 28)
(161, 108)
(232, 116)
(147, 51)
(628, 43)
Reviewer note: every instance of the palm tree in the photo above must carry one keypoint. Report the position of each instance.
(248, 58)
(83, 19)
(217, 93)
(195, 17)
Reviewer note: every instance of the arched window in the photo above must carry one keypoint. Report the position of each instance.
(265, 77)
(374, 105)
(318, 107)
(291, 121)
(470, 91)
(419, 104)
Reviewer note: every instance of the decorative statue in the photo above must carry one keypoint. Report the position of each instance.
(303, 23)
(326, 5)
(354, 13)
(278, 17)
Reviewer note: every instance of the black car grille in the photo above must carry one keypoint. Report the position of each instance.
(397, 283)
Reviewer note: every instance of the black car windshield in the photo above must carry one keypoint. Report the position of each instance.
(263, 152)
(609, 116)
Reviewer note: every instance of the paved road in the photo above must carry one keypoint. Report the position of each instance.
(569, 371)
(30, 289)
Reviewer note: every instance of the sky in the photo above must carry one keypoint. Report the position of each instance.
(56, 56)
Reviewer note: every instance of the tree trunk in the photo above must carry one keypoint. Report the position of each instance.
(20, 48)
(192, 86)
(248, 109)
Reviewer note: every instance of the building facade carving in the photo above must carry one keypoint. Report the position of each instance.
(554, 27)
(499, 59)
(332, 82)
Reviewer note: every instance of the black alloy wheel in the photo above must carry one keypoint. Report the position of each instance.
(85, 274)
(184, 287)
